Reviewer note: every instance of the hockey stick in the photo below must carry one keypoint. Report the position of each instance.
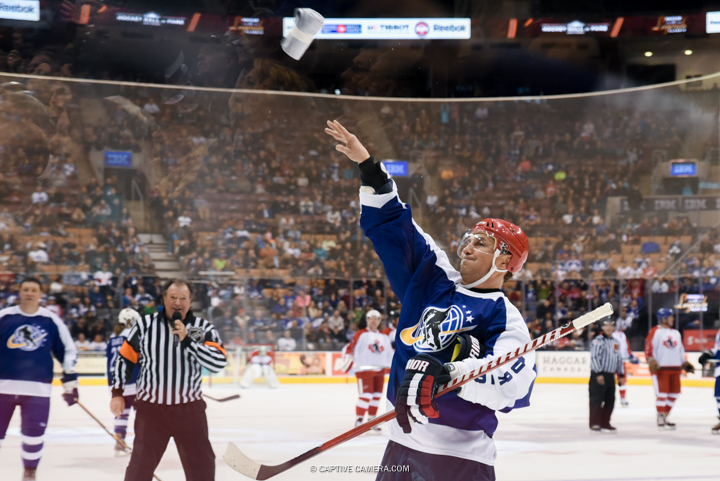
(122, 443)
(244, 465)
(223, 399)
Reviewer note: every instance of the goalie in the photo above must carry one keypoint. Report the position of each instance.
(260, 364)
(371, 352)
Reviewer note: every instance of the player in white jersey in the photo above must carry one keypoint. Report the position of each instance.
(627, 357)
(451, 437)
(665, 355)
(713, 357)
(260, 365)
(371, 352)
(126, 319)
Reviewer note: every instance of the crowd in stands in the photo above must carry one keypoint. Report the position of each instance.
(247, 188)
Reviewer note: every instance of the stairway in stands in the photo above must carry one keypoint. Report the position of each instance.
(166, 265)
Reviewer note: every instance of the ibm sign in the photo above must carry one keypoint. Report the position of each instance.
(396, 168)
(683, 169)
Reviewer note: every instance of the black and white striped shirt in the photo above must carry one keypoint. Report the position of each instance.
(169, 374)
(605, 355)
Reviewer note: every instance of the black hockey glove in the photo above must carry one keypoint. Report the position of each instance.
(688, 368)
(415, 400)
(467, 346)
(705, 357)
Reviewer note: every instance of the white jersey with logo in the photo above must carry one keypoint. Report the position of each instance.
(665, 345)
(371, 350)
(625, 351)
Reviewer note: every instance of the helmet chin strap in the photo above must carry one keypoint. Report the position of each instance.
(493, 270)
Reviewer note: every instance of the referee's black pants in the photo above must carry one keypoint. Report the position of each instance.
(602, 398)
(155, 424)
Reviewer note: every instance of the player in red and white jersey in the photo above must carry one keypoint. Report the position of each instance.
(665, 355)
(627, 356)
(371, 352)
(390, 330)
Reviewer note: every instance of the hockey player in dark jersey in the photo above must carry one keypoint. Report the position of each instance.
(449, 321)
(126, 319)
(30, 336)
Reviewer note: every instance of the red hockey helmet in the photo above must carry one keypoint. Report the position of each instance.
(509, 238)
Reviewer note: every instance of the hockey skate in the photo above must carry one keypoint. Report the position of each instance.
(609, 429)
(120, 450)
(663, 422)
(595, 429)
(29, 474)
(624, 403)
(358, 422)
(716, 429)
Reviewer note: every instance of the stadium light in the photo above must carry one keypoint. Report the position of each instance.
(648, 54)
(688, 52)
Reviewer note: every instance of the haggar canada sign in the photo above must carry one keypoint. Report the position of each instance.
(563, 364)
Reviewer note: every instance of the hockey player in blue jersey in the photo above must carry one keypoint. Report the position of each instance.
(450, 320)
(29, 336)
(126, 319)
(713, 356)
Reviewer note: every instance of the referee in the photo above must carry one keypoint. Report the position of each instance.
(605, 361)
(169, 397)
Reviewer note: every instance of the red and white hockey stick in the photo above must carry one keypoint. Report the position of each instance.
(244, 465)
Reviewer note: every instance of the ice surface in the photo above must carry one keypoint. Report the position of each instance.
(548, 441)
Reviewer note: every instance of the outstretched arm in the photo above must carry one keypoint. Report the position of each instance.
(401, 244)
(354, 150)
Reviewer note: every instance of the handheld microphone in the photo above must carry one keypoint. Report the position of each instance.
(176, 317)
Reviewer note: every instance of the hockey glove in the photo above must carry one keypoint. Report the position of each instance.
(467, 346)
(634, 360)
(705, 357)
(688, 368)
(653, 366)
(70, 388)
(423, 374)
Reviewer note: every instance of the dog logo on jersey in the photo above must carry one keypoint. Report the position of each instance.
(195, 333)
(376, 348)
(437, 329)
(27, 337)
(670, 343)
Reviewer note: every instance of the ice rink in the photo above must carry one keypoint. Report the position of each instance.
(548, 441)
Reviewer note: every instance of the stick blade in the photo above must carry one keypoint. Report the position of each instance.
(237, 460)
(595, 315)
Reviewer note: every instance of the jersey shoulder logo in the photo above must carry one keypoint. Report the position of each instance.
(195, 333)
(27, 337)
(437, 328)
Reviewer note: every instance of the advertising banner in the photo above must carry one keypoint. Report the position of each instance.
(389, 28)
(28, 10)
(300, 363)
(693, 341)
(118, 159)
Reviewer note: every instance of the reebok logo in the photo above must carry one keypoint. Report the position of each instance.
(416, 365)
